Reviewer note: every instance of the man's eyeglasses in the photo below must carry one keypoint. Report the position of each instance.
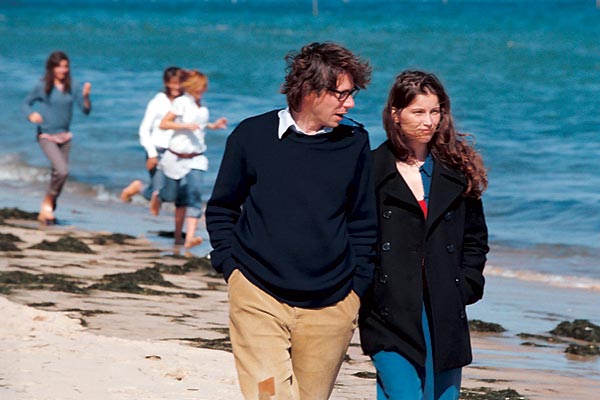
(344, 94)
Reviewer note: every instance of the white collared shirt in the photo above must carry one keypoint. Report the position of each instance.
(184, 141)
(151, 136)
(286, 120)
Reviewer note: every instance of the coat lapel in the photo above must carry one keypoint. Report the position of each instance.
(386, 177)
(446, 186)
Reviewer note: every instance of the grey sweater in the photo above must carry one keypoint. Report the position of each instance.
(56, 108)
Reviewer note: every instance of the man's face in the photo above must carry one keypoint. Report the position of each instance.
(328, 108)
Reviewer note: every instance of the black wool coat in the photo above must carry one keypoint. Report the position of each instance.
(447, 251)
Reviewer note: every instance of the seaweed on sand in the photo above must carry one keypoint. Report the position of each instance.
(549, 339)
(66, 243)
(15, 213)
(476, 325)
(583, 349)
(213, 344)
(578, 329)
(129, 282)
(116, 238)
(484, 393)
(365, 375)
(193, 264)
(7, 242)
(24, 280)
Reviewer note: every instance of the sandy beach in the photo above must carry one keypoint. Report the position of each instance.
(113, 316)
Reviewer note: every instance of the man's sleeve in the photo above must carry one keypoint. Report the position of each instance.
(362, 222)
(224, 207)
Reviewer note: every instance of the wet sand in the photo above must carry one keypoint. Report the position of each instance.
(132, 320)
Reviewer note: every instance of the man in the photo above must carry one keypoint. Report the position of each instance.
(292, 221)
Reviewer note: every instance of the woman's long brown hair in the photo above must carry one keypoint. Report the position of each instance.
(53, 61)
(448, 146)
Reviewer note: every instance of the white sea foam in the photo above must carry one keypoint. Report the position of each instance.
(565, 281)
(13, 168)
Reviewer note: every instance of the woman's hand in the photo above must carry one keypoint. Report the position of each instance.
(35, 118)
(87, 88)
(221, 123)
(151, 163)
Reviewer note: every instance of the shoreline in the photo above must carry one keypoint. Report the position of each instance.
(81, 328)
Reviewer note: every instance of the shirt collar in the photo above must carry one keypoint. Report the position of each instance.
(427, 167)
(286, 121)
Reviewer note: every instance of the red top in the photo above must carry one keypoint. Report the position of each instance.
(423, 205)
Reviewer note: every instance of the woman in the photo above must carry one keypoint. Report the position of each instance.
(56, 93)
(156, 141)
(432, 245)
(184, 162)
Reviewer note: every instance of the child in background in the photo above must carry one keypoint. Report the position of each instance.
(184, 161)
(56, 94)
(156, 141)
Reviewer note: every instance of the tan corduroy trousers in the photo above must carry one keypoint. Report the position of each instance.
(283, 352)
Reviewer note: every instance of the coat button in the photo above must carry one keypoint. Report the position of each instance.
(387, 214)
(384, 312)
(386, 246)
(450, 248)
(383, 278)
(462, 315)
(448, 216)
(457, 281)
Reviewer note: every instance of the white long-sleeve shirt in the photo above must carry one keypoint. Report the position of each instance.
(185, 141)
(151, 136)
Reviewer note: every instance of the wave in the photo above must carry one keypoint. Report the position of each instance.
(16, 173)
(13, 168)
(564, 281)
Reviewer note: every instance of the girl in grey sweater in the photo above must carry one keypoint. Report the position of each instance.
(50, 106)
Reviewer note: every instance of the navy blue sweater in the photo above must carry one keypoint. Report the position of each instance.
(296, 215)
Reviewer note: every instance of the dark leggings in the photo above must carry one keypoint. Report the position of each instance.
(58, 154)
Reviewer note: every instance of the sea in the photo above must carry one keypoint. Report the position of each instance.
(523, 76)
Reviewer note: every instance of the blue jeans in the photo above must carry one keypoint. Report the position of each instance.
(157, 178)
(399, 379)
(184, 192)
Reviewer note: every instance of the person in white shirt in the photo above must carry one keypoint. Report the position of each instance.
(156, 141)
(184, 161)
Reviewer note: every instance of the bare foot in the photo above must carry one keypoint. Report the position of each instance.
(46, 217)
(179, 242)
(195, 241)
(154, 204)
(132, 189)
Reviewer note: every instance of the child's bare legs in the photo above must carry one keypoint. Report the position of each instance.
(58, 155)
(155, 203)
(194, 207)
(179, 220)
(46, 214)
(190, 239)
(131, 190)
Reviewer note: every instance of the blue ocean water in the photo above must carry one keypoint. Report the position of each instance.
(524, 78)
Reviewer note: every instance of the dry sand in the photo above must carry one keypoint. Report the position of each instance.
(59, 339)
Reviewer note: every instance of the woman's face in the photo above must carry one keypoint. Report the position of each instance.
(197, 92)
(61, 70)
(173, 86)
(420, 119)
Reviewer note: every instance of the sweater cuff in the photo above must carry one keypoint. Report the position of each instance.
(228, 267)
(360, 285)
